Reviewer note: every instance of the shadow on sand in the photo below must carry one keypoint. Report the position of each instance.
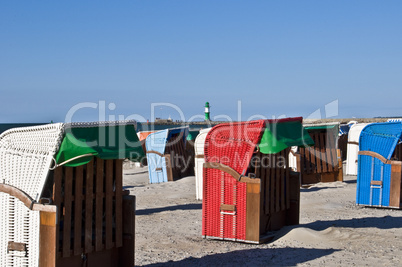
(170, 208)
(385, 222)
(315, 189)
(255, 257)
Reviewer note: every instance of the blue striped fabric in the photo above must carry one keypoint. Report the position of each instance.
(381, 138)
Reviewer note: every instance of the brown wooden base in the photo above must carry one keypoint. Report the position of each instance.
(314, 178)
(123, 256)
(94, 259)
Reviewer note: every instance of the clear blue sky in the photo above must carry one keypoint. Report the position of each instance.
(279, 58)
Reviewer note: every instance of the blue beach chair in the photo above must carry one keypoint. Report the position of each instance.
(379, 168)
(166, 155)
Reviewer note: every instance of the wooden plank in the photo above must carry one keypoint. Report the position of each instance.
(253, 212)
(79, 173)
(307, 160)
(169, 168)
(219, 166)
(317, 147)
(300, 160)
(339, 166)
(181, 156)
(99, 204)
(293, 213)
(17, 193)
(272, 187)
(313, 156)
(330, 149)
(287, 180)
(127, 250)
(395, 190)
(227, 207)
(119, 201)
(47, 239)
(172, 151)
(16, 246)
(109, 204)
(324, 159)
(176, 160)
(277, 183)
(89, 205)
(376, 183)
(261, 174)
(267, 178)
(58, 174)
(336, 155)
(282, 178)
(257, 165)
(68, 188)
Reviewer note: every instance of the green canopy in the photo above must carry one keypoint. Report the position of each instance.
(192, 134)
(281, 135)
(80, 144)
(322, 127)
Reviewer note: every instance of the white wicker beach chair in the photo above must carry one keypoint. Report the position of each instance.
(26, 155)
(30, 232)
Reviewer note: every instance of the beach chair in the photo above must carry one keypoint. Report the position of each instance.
(379, 166)
(353, 148)
(60, 205)
(321, 162)
(199, 161)
(166, 154)
(248, 188)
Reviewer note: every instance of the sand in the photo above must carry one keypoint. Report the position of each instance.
(333, 230)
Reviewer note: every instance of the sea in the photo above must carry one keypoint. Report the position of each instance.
(141, 126)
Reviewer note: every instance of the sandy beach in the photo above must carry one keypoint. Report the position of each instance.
(333, 230)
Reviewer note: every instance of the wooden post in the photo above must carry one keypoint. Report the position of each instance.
(47, 239)
(253, 212)
(127, 252)
(340, 166)
(395, 190)
(168, 162)
(293, 213)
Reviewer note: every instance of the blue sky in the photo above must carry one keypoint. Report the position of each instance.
(92, 60)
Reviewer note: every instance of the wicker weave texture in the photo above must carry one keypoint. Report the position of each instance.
(199, 161)
(26, 154)
(233, 145)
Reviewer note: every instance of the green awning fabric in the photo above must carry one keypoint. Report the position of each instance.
(106, 142)
(192, 135)
(322, 127)
(281, 135)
